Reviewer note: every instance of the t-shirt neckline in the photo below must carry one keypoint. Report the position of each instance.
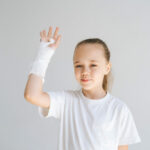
(94, 101)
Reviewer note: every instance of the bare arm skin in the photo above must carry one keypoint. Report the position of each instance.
(33, 92)
(123, 147)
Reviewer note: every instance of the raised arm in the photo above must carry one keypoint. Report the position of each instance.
(33, 92)
(123, 147)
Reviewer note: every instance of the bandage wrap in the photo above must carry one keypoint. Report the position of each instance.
(42, 59)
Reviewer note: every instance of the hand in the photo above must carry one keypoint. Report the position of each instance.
(46, 38)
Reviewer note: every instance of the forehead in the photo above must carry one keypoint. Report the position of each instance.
(89, 52)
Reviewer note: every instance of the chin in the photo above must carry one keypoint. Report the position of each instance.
(86, 87)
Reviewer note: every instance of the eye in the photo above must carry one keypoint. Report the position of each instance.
(78, 66)
(93, 65)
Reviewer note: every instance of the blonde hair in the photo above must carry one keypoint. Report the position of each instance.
(108, 79)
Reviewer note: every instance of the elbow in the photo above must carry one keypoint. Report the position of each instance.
(28, 97)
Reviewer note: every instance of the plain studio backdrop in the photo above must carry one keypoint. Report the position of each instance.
(123, 25)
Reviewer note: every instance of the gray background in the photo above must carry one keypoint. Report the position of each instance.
(123, 25)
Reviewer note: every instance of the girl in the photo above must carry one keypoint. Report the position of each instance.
(91, 118)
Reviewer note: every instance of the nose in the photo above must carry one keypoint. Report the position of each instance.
(85, 71)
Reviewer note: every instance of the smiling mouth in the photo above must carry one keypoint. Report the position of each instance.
(85, 80)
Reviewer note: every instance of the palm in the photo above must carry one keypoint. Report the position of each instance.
(46, 38)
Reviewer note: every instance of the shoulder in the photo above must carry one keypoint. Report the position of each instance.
(63, 93)
(118, 103)
(71, 93)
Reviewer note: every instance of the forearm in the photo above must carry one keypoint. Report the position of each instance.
(33, 87)
(123, 147)
(37, 71)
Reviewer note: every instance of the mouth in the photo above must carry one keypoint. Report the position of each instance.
(85, 80)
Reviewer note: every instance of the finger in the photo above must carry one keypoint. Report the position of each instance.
(52, 45)
(58, 40)
(55, 33)
(49, 32)
(44, 33)
(41, 34)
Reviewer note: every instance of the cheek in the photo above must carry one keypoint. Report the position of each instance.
(97, 72)
(77, 72)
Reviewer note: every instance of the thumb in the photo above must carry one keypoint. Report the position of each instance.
(58, 40)
(53, 46)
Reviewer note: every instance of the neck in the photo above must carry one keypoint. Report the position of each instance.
(94, 93)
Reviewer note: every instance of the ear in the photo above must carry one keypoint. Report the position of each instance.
(108, 68)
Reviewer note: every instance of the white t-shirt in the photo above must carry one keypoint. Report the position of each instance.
(101, 124)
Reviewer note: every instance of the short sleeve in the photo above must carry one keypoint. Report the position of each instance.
(57, 102)
(128, 133)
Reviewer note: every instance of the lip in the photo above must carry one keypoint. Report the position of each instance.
(85, 80)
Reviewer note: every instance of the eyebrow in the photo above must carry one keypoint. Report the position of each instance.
(90, 60)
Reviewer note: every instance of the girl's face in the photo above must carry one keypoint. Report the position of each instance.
(90, 66)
